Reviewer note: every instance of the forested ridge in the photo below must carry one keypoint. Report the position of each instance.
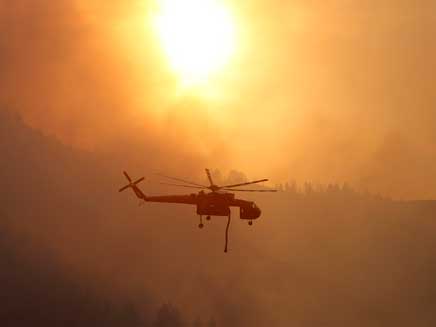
(76, 253)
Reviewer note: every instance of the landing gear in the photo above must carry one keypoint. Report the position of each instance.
(200, 225)
(250, 222)
(208, 218)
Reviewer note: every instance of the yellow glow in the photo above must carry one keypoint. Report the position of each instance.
(198, 37)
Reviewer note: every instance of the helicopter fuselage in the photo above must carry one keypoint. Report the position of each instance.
(212, 203)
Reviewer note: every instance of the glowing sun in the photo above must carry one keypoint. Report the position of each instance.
(197, 36)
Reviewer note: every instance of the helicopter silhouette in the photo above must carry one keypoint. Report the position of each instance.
(216, 202)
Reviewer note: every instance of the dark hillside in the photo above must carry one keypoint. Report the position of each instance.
(76, 252)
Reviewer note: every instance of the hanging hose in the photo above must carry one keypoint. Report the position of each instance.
(227, 234)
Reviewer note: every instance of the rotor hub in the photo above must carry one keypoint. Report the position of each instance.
(214, 188)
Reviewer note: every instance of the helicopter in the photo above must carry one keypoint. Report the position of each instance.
(216, 202)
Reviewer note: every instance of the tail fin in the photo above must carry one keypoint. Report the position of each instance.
(134, 186)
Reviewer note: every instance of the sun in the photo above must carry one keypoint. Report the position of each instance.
(198, 37)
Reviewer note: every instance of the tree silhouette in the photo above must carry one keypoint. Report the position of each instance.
(212, 322)
(168, 316)
(197, 322)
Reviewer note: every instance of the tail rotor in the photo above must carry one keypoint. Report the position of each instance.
(133, 185)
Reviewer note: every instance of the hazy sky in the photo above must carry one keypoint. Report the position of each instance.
(322, 91)
(328, 91)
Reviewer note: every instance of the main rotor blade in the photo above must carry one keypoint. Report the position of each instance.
(246, 183)
(209, 177)
(236, 190)
(127, 176)
(181, 180)
(188, 186)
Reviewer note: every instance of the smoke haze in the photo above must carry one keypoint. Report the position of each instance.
(350, 87)
(321, 92)
(318, 255)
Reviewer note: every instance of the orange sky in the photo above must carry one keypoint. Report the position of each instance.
(328, 91)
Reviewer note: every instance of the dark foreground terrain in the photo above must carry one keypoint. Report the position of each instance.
(74, 252)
